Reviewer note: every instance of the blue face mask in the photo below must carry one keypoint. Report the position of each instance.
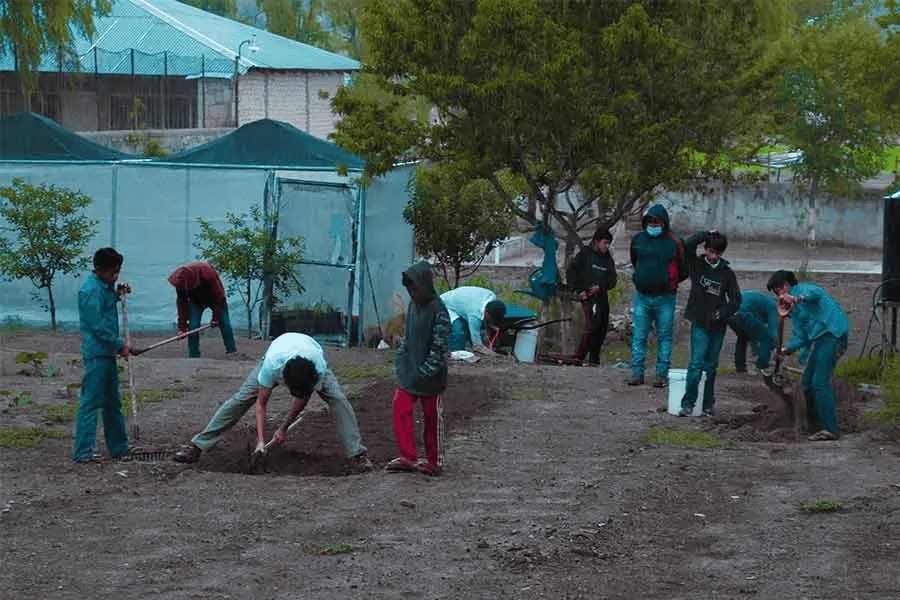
(654, 231)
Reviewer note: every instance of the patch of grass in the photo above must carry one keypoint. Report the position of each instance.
(855, 371)
(147, 396)
(12, 325)
(355, 372)
(332, 549)
(26, 437)
(453, 442)
(15, 398)
(697, 440)
(818, 506)
(57, 413)
(616, 352)
(887, 417)
(725, 371)
(527, 395)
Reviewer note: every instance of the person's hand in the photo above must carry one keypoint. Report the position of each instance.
(122, 289)
(125, 351)
(214, 323)
(260, 448)
(583, 295)
(182, 330)
(278, 436)
(786, 304)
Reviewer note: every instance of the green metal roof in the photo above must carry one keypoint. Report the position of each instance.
(29, 136)
(268, 143)
(166, 37)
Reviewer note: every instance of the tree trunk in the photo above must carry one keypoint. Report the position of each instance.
(52, 308)
(810, 225)
(249, 308)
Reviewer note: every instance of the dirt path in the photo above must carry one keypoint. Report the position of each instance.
(549, 492)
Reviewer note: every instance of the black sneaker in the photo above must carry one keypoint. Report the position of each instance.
(189, 455)
(636, 380)
(661, 381)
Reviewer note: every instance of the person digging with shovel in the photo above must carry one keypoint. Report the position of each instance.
(819, 328)
(198, 286)
(297, 361)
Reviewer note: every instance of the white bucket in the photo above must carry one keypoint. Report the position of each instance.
(526, 345)
(677, 385)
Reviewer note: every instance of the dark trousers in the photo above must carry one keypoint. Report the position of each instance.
(596, 323)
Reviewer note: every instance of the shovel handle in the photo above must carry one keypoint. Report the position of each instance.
(174, 338)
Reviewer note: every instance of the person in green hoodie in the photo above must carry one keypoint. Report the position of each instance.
(658, 258)
(421, 369)
(98, 320)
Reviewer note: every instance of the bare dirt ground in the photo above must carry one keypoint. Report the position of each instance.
(548, 491)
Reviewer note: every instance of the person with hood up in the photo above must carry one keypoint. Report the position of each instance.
(715, 296)
(475, 315)
(421, 369)
(819, 329)
(198, 287)
(658, 259)
(592, 274)
(756, 323)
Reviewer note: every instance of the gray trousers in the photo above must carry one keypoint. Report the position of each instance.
(235, 407)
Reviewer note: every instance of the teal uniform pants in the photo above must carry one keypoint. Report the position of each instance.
(100, 392)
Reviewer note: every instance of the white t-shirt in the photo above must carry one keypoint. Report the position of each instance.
(468, 302)
(282, 349)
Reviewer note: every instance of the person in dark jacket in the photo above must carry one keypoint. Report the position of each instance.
(98, 320)
(198, 287)
(715, 296)
(592, 274)
(657, 255)
(756, 323)
(421, 369)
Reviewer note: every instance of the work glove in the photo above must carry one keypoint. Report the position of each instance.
(260, 448)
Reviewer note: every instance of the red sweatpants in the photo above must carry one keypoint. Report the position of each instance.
(404, 402)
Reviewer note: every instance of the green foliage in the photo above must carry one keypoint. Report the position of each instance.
(356, 372)
(49, 234)
(36, 28)
(332, 549)
(223, 8)
(12, 325)
(457, 220)
(36, 361)
(832, 103)
(15, 398)
(887, 417)
(146, 396)
(527, 395)
(246, 254)
(697, 440)
(26, 437)
(606, 100)
(57, 413)
(866, 369)
(818, 506)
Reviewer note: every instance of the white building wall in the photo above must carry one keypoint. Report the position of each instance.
(302, 99)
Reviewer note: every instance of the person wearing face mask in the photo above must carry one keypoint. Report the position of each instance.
(715, 297)
(657, 255)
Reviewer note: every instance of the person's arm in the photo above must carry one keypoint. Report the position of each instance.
(475, 323)
(296, 408)
(182, 304)
(217, 290)
(262, 402)
(734, 299)
(436, 358)
(772, 320)
(611, 276)
(690, 244)
(90, 311)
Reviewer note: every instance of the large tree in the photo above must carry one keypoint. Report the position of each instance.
(611, 101)
(836, 104)
(31, 29)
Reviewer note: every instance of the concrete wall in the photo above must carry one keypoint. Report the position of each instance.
(302, 99)
(778, 211)
(171, 140)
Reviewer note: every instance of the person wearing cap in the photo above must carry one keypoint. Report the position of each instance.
(715, 297)
(591, 275)
(475, 316)
(198, 287)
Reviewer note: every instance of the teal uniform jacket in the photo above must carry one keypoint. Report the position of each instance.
(99, 319)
